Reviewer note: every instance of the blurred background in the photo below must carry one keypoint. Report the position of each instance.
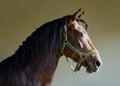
(19, 18)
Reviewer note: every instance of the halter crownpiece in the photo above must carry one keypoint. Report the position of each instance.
(75, 50)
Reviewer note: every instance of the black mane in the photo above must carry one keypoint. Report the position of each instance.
(42, 43)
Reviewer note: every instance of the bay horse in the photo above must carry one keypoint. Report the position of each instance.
(35, 61)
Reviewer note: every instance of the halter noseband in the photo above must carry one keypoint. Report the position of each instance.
(75, 50)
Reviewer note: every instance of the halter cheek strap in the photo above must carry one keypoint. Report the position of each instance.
(75, 50)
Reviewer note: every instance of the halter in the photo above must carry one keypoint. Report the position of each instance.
(75, 50)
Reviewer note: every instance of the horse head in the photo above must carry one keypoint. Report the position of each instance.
(78, 46)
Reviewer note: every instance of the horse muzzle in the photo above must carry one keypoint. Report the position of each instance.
(92, 63)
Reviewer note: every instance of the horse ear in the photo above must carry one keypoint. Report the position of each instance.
(73, 17)
(76, 15)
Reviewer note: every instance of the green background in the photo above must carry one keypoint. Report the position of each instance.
(19, 18)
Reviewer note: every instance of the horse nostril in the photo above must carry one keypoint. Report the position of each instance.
(98, 63)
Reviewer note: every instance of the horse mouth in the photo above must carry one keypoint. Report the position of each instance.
(91, 69)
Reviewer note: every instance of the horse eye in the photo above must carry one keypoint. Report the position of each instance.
(81, 34)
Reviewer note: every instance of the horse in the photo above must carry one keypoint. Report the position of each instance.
(35, 61)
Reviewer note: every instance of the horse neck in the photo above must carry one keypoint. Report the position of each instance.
(40, 64)
(45, 63)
